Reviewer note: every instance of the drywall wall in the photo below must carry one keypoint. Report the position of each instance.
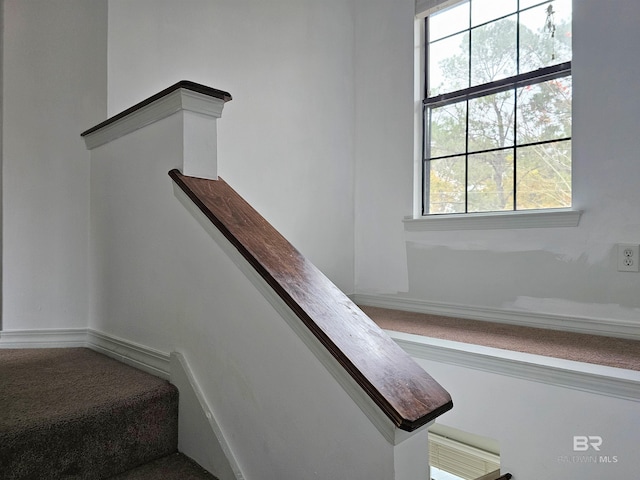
(535, 424)
(319, 122)
(1, 133)
(54, 87)
(383, 141)
(162, 281)
(569, 271)
(286, 140)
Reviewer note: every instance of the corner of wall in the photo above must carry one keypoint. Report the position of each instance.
(200, 435)
(1, 144)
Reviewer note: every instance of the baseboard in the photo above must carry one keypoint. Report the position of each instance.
(44, 338)
(599, 379)
(139, 356)
(592, 326)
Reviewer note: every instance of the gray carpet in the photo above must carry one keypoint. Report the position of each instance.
(77, 414)
(46, 385)
(600, 350)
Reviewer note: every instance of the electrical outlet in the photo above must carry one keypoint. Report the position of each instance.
(628, 258)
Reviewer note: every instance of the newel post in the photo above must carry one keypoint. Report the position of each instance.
(198, 108)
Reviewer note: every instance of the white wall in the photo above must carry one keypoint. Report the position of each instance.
(384, 141)
(162, 281)
(558, 271)
(1, 129)
(320, 122)
(54, 88)
(286, 139)
(535, 423)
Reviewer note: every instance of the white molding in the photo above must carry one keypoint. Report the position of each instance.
(134, 354)
(599, 379)
(466, 459)
(179, 99)
(608, 381)
(211, 451)
(593, 326)
(377, 417)
(495, 220)
(429, 7)
(44, 338)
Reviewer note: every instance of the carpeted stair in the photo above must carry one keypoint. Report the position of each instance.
(77, 414)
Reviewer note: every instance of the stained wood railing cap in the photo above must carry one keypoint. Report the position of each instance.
(183, 84)
(394, 382)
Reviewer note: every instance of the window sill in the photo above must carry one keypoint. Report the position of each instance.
(495, 220)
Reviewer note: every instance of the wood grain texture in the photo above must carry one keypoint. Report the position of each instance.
(395, 382)
(187, 85)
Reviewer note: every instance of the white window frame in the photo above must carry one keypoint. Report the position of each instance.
(547, 218)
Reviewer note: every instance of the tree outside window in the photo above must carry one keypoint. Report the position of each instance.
(498, 107)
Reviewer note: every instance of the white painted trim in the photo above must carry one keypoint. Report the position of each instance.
(194, 405)
(429, 7)
(44, 338)
(466, 459)
(594, 326)
(134, 354)
(180, 99)
(139, 356)
(495, 220)
(609, 381)
(377, 417)
(599, 379)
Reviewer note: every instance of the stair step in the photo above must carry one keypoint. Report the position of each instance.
(171, 467)
(74, 413)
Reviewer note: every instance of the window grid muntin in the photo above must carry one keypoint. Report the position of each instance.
(486, 23)
(476, 91)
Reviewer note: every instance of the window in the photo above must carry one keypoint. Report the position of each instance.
(497, 109)
(458, 455)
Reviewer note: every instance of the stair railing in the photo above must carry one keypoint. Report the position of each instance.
(389, 386)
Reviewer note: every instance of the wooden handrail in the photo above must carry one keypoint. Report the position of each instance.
(391, 378)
